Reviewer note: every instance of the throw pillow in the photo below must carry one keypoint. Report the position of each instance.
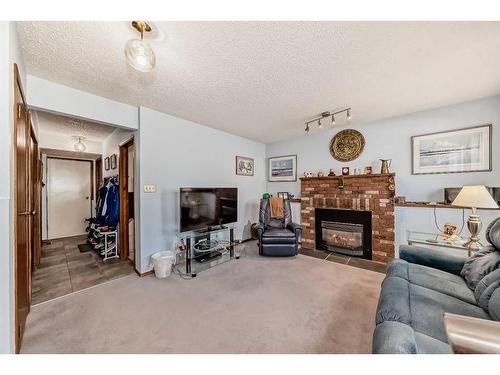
(479, 265)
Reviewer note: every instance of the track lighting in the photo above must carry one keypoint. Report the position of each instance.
(325, 114)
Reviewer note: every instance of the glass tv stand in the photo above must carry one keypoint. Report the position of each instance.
(205, 249)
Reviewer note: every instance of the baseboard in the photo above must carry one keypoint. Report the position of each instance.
(144, 274)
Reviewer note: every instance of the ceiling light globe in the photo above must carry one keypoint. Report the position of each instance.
(140, 55)
(80, 147)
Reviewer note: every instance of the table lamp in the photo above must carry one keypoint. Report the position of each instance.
(474, 197)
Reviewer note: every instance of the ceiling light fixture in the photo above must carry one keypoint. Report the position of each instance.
(79, 146)
(139, 53)
(322, 115)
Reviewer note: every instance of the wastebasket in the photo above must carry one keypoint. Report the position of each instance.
(162, 263)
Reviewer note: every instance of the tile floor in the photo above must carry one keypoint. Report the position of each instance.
(63, 269)
(344, 259)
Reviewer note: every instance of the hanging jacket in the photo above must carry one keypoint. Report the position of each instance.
(109, 203)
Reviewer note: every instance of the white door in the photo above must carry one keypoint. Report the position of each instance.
(68, 197)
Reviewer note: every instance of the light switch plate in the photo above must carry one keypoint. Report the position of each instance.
(149, 188)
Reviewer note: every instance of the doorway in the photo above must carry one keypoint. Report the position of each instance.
(69, 196)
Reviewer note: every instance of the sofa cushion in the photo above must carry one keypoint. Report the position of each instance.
(493, 233)
(394, 338)
(420, 307)
(494, 305)
(429, 345)
(480, 264)
(428, 306)
(278, 236)
(432, 278)
(486, 287)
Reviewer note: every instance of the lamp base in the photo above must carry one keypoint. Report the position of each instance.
(474, 224)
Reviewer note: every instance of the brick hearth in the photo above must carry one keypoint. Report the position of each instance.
(360, 192)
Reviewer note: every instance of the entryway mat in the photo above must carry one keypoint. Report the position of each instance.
(84, 248)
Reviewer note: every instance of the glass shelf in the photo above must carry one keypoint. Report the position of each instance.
(437, 239)
(201, 244)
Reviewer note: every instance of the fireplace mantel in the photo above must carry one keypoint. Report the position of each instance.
(370, 192)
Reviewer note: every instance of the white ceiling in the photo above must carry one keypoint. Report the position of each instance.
(261, 80)
(63, 126)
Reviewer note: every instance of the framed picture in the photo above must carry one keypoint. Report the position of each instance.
(244, 166)
(450, 229)
(345, 171)
(463, 150)
(283, 168)
(106, 163)
(113, 161)
(283, 194)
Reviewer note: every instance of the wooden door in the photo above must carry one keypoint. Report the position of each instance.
(22, 212)
(69, 185)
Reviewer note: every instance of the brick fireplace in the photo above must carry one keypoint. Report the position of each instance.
(357, 193)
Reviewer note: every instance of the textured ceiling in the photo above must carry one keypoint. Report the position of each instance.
(49, 123)
(261, 80)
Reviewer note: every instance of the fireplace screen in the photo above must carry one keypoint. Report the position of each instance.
(345, 238)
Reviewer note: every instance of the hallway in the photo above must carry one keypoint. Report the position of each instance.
(64, 269)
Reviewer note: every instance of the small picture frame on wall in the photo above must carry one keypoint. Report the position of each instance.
(113, 161)
(283, 194)
(283, 168)
(106, 163)
(244, 166)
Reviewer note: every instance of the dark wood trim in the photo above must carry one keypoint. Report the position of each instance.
(439, 205)
(124, 198)
(20, 312)
(148, 273)
(349, 176)
(97, 175)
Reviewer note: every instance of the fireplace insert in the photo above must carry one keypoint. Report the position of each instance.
(343, 231)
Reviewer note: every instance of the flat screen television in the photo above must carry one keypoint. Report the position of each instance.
(202, 208)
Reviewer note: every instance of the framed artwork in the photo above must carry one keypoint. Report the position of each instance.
(283, 194)
(106, 163)
(283, 168)
(113, 161)
(450, 229)
(244, 166)
(462, 150)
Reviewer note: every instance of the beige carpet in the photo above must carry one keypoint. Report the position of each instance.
(250, 305)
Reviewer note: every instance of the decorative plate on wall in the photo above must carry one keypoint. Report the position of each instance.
(347, 145)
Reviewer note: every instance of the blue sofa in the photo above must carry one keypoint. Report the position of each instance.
(420, 287)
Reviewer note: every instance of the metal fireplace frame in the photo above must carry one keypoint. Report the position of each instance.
(346, 216)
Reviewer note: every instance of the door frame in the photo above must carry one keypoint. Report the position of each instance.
(124, 198)
(18, 324)
(35, 197)
(47, 185)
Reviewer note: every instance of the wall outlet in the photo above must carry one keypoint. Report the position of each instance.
(149, 188)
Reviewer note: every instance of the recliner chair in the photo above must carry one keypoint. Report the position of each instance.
(277, 237)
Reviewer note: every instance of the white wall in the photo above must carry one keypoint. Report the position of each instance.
(391, 139)
(10, 53)
(53, 97)
(111, 145)
(174, 153)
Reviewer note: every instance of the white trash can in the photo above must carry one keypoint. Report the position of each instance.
(162, 263)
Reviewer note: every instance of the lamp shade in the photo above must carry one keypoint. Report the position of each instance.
(475, 196)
